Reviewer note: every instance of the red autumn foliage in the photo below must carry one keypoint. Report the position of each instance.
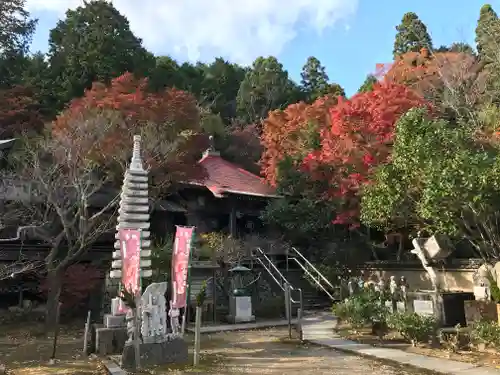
(79, 281)
(287, 133)
(168, 120)
(359, 138)
(19, 112)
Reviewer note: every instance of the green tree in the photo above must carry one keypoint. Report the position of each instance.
(16, 27)
(452, 190)
(220, 85)
(37, 75)
(487, 34)
(457, 47)
(94, 43)
(301, 216)
(368, 83)
(16, 31)
(165, 74)
(266, 86)
(411, 36)
(314, 79)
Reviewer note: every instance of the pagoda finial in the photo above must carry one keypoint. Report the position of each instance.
(211, 143)
(136, 162)
(211, 148)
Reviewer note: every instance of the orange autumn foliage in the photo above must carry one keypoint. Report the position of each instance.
(287, 132)
(359, 137)
(428, 74)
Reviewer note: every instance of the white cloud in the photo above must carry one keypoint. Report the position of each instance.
(239, 30)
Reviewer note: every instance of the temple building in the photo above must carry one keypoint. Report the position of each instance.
(229, 199)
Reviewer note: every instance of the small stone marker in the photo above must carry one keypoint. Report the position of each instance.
(423, 307)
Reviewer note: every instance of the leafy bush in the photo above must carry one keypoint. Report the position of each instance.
(202, 294)
(161, 258)
(487, 333)
(361, 309)
(413, 327)
(494, 289)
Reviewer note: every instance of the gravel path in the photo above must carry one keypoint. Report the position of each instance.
(268, 352)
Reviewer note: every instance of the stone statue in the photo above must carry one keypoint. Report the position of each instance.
(350, 287)
(393, 287)
(154, 313)
(403, 284)
(380, 285)
(174, 320)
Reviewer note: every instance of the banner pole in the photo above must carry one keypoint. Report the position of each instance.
(184, 316)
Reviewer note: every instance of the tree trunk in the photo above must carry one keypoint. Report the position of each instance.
(54, 278)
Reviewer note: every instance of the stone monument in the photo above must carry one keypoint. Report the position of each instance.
(481, 280)
(482, 307)
(447, 306)
(157, 347)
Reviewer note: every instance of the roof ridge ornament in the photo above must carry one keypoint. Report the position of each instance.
(211, 151)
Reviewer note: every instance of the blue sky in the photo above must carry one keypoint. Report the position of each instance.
(348, 36)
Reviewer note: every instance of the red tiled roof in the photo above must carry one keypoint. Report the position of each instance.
(225, 177)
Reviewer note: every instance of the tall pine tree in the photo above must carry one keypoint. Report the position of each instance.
(487, 33)
(314, 79)
(94, 43)
(411, 36)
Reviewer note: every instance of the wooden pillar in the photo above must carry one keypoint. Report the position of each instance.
(232, 221)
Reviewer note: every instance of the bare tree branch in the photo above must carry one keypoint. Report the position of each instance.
(21, 266)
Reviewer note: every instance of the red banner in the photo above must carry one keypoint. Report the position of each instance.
(180, 265)
(130, 247)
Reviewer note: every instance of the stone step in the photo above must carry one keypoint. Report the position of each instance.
(135, 225)
(135, 200)
(132, 216)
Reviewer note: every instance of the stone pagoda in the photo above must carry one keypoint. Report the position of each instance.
(134, 212)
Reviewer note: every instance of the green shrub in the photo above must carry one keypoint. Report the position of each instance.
(413, 327)
(494, 289)
(487, 333)
(361, 309)
(202, 294)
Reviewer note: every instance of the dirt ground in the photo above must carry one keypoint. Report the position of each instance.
(25, 351)
(271, 352)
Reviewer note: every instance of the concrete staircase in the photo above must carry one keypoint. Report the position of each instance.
(317, 291)
(313, 297)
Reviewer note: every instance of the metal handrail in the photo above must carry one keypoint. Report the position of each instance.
(318, 283)
(281, 276)
(264, 255)
(309, 264)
